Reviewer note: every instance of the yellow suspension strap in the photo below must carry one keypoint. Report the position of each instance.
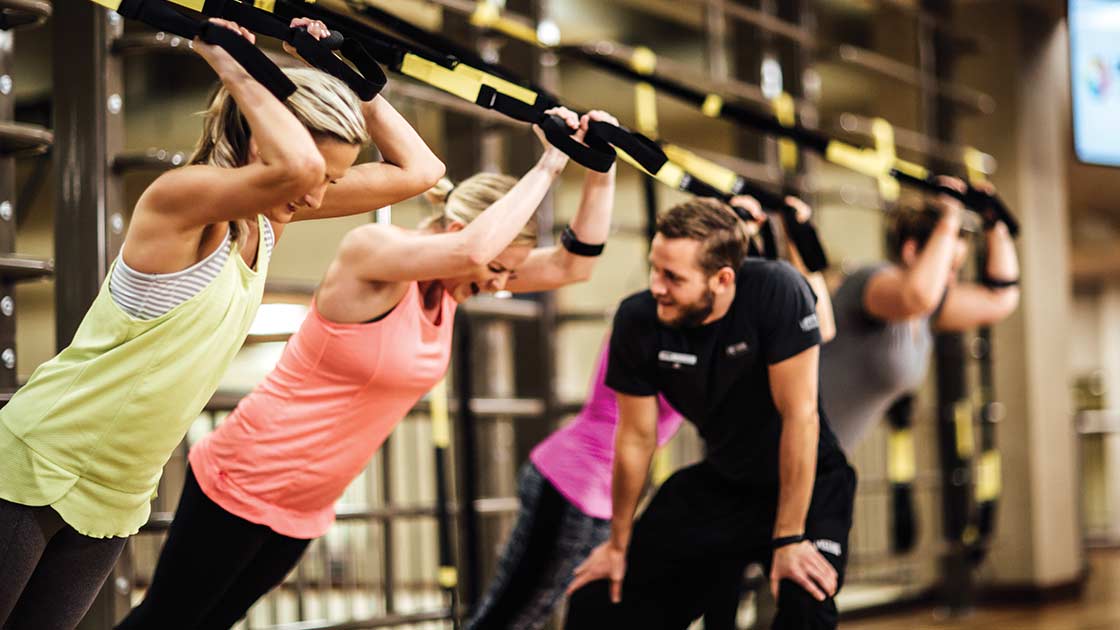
(878, 162)
(785, 109)
(902, 470)
(448, 575)
(429, 64)
(868, 161)
(161, 15)
(644, 62)
(989, 483)
(488, 14)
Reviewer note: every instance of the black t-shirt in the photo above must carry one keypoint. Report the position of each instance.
(717, 375)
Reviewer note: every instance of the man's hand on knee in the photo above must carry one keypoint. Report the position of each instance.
(606, 561)
(802, 564)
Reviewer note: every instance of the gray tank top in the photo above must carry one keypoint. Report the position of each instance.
(870, 362)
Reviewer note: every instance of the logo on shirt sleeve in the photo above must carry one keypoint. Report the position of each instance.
(809, 322)
(677, 358)
(736, 349)
(829, 546)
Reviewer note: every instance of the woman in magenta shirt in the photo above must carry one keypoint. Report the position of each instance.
(378, 336)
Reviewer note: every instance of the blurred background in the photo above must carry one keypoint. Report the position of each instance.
(102, 106)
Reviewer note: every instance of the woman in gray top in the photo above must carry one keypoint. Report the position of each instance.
(885, 313)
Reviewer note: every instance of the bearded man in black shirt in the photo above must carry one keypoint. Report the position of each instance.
(732, 343)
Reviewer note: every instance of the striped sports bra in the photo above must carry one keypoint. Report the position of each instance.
(149, 295)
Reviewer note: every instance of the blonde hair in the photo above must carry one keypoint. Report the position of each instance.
(323, 104)
(470, 198)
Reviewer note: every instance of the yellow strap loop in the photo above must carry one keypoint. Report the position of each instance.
(975, 162)
(489, 15)
(709, 172)
(448, 577)
(643, 60)
(900, 457)
(645, 108)
(962, 419)
(883, 133)
(441, 419)
(785, 109)
(713, 106)
(523, 94)
(268, 5)
(988, 477)
(459, 84)
(911, 169)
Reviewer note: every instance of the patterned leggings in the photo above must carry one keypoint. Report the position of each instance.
(550, 539)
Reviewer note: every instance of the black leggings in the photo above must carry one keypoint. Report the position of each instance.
(213, 567)
(49, 573)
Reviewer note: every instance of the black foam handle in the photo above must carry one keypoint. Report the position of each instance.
(901, 412)
(803, 235)
(259, 66)
(992, 209)
(596, 154)
(904, 521)
(644, 151)
(319, 55)
(805, 238)
(769, 241)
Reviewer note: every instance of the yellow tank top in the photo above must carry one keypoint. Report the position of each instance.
(90, 432)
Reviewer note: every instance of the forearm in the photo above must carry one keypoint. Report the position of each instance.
(929, 276)
(1003, 261)
(279, 136)
(632, 458)
(496, 228)
(592, 223)
(797, 470)
(399, 144)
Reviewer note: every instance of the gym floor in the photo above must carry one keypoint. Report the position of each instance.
(1097, 609)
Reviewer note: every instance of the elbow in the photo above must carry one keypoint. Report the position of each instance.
(1008, 302)
(920, 300)
(433, 170)
(476, 254)
(828, 332)
(425, 174)
(301, 174)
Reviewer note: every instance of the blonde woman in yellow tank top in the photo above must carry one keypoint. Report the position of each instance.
(83, 444)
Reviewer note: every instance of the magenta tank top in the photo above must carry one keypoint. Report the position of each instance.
(578, 458)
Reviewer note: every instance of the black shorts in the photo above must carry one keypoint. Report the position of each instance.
(693, 542)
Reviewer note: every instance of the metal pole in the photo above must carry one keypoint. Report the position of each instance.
(89, 222)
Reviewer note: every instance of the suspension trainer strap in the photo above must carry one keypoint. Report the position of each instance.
(862, 160)
(161, 15)
(260, 18)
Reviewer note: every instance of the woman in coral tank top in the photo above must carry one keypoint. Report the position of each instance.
(378, 336)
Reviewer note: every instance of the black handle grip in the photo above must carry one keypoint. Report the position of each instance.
(990, 207)
(596, 155)
(805, 238)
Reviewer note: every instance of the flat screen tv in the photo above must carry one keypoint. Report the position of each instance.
(1094, 35)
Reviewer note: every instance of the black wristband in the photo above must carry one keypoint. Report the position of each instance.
(571, 243)
(996, 283)
(785, 541)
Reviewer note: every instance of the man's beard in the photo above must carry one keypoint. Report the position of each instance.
(694, 314)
